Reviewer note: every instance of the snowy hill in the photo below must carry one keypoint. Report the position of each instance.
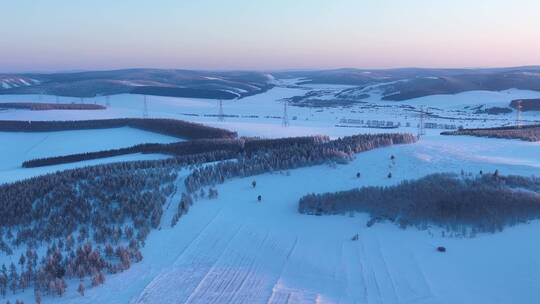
(14, 81)
(235, 249)
(179, 83)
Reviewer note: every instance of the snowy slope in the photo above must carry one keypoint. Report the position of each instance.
(262, 114)
(9, 82)
(235, 250)
(20, 147)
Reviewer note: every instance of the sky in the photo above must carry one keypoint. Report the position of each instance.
(64, 35)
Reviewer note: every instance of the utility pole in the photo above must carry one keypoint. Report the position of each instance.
(145, 108)
(421, 130)
(518, 114)
(221, 116)
(285, 121)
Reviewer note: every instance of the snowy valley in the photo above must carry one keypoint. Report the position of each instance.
(248, 243)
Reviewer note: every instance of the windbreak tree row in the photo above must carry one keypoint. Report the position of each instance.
(171, 127)
(241, 145)
(526, 133)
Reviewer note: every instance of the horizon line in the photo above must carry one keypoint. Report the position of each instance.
(276, 70)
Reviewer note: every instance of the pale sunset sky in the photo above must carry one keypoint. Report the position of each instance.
(62, 35)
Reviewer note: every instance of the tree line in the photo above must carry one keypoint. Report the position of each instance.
(526, 133)
(171, 127)
(234, 145)
(484, 203)
(94, 219)
(38, 106)
(289, 156)
(526, 104)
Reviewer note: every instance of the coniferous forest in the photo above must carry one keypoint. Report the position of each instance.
(526, 133)
(41, 106)
(94, 220)
(171, 127)
(483, 203)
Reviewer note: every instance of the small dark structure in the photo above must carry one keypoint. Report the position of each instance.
(253, 184)
(355, 237)
(441, 249)
(389, 175)
(358, 175)
(259, 198)
(392, 157)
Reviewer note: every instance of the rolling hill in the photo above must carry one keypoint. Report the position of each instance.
(176, 83)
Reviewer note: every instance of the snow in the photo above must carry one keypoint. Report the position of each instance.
(255, 115)
(45, 144)
(26, 83)
(8, 83)
(236, 250)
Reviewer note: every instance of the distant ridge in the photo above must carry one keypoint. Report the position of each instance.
(177, 83)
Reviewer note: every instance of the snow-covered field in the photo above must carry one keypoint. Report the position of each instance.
(260, 115)
(17, 147)
(236, 250)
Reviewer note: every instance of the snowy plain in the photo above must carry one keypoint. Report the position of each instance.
(236, 250)
(19, 146)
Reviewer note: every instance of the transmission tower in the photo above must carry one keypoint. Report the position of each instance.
(82, 99)
(421, 124)
(57, 99)
(107, 101)
(518, 114)
(145, 108)
(285, 121)
(221, 116)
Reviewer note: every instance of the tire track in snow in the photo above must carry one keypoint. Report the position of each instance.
(409, 280)
(169, 211)
(386, 273)
(429, 295)
(176, 284)
(246, 271)
(370, 279)
(210, 287)
(36, 145)
(354, 272)
(278, 296)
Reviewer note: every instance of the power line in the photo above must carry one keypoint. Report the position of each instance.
(518, 114)
(145, 108)
(221, 116)
(421, 124)
(285, 121)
